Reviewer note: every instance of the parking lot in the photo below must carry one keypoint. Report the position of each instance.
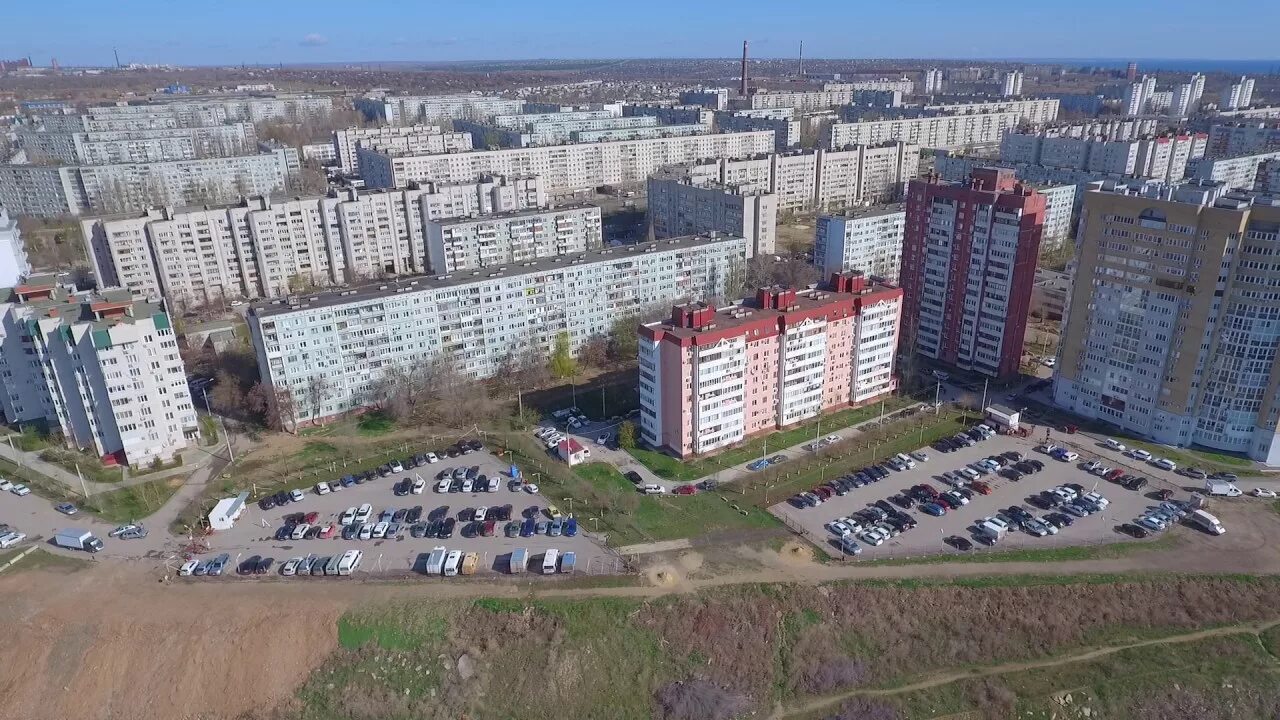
(255, 532)
(930, 532)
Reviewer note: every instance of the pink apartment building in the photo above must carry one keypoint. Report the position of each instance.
(710, 378)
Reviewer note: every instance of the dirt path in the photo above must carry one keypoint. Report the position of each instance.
(931, 681)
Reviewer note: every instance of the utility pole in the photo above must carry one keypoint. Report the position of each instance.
(937, 394)
(83, 486)
(983, 407)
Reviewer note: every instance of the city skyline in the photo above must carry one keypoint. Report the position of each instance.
(157, 33)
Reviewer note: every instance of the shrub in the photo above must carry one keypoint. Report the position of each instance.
(832, 673)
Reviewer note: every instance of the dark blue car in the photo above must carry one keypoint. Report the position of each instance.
(528, 528)
(571, 527)
(934, 509)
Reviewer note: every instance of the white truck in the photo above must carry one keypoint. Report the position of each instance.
(1206, 522)
(435, 561)
(1221, 488)
(992, 528)
(519, 559)
(75, 539)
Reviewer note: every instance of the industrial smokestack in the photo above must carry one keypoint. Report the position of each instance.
(742, 89)
(117, 54)
(800, 70)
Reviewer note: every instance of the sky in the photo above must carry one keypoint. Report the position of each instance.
(213, 32)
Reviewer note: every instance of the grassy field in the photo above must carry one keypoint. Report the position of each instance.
(40, 559)
(668, 517)
(135, 502)
(670, 468)
(90, 467)
(744, 650)
(1055, 554)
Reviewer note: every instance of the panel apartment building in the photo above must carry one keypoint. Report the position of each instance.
(1240, 172)
(260, 248)
(190, 113)
(1235, 139)
(711, 378)
(941, 131)
(102, 368)
(866, 240)
(416, 109)
(408, 140)
(564, 169)
(677, 206)
(1171, 330)
(139, 146)
(461, 244)
(821, 179)
(968, 266)
(1162, 157)
(343, 342)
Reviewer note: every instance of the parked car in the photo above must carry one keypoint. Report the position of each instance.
(958, 543)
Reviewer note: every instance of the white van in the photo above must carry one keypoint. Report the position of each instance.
(906, 460)
(349, 562)
(1206, 522)
(452, 562)
(549, 564)
(1164, 464)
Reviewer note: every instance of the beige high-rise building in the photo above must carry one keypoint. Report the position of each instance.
(1174, 316)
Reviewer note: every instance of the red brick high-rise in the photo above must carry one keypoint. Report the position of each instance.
(968, 266)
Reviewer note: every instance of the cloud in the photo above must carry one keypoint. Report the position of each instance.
(314, 40)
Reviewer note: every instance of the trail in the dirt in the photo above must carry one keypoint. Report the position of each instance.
(945, 678)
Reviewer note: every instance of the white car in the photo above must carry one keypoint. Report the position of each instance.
(295, 495)
(873, 536)
(1114, 444)
(396, 467)
(432, 458)
(366, 531)
(1262, 493)
(1164, 464)
(419, 486)
(322, 488)
(5, 484)
(444, 485)
(20, 490)
(1151, 522)
(1069, 457)
(1140, 454)
(838, 528)
(299, 531)
(363, 513)
(188, 568)
(467, 485)
(380, 530)
(480, 514)
(531, 489)
(348, 516)
(920, 455)
(831, 439)
(8, 540)
(494, 483)
(1096, 500)
(291, 566)
(1049, 362)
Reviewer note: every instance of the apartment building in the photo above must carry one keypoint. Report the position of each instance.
(968, 265)
(786, 130)
(932, 81)
(76, 190)
(1235, 139)
(637, 133)
(1033, 111)
(821, 179)
(1138, 96)
(189, 113)
(329, 350)
(866, 240)
(710, 98)
(940, 131)
(417, 109)
(1162, 157)
(139, 146)
(1235, 172)
(459, 244)
(260, 248)
(1237, 95)
(712, 378)
(1012, 86)
(532, 130)
(677, 206)
(103, 369)
(1172, 331)
(1186, 97)
(564, 169)
(406, 139)
(672, 114)
(322, 152)
(13, 254)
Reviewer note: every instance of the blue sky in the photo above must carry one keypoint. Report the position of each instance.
(268, 31)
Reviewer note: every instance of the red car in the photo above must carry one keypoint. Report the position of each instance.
(929, 489)
(328, 532)
(490, 527)
(311, 518)
(981, 487)
(1111, 476)
(823, 492)
(684, 490)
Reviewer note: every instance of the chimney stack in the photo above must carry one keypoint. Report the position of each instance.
(742, 89)
(800, 70)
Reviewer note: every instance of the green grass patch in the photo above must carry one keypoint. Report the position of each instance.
(375, 423)
(40, 559)
(393, 629)
(670, 468)
(1052, 554)
(90, 467)
(633, 518)
(208, 429)
(135, 502)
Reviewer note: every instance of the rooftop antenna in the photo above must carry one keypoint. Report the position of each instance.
(742, 89)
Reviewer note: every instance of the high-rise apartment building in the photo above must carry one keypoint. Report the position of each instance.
(1137, 99)
(139, 146)
(474, 243)
(710, 98)
(785, 129)
(329, 350)
(932, 81)
(1237, 95)
(1162, 157)
(13, 254)
(407, 139)
(867, 241)
(1174, 319)
(943, 131)
(102, 368)
(1186, 97)
(1236, 173)
(1012, 84)
(968, 266)
(419, 109)
(677, 206)
(1235, 139)
(710, 378)
(263, 248)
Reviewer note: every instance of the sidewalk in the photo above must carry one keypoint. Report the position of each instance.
(31, 460)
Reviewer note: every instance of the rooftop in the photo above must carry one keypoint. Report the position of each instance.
(343, 296)
(867, 212)
(495, 217)
(48, 296)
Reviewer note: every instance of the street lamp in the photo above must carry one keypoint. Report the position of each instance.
(570, 501)
(595, 524)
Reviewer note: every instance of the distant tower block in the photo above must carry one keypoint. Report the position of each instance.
(1132, 72)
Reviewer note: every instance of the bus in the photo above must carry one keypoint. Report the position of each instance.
(549, 561)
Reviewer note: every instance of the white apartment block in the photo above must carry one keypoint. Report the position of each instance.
(564, 169)
(1238, 95)
(822, 179)
(679, 207)
(1233, 172)
(1033, 111)
(549, 128)
(1186, 97)
(190, 114)
(13, 254)
(1059, 208)
(1237, 139)
(408, 139)
(1164, 157)
(932, 81)
(140, 146)
(904, 85)
(638, 133)
(867, 241)
(102, 369)
(321, 152)
(1012, 86)
(415, 109)
(76, 190)
(461, 244)
(672, 114)
(943, 131)
(335, 346)
(265, 249)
